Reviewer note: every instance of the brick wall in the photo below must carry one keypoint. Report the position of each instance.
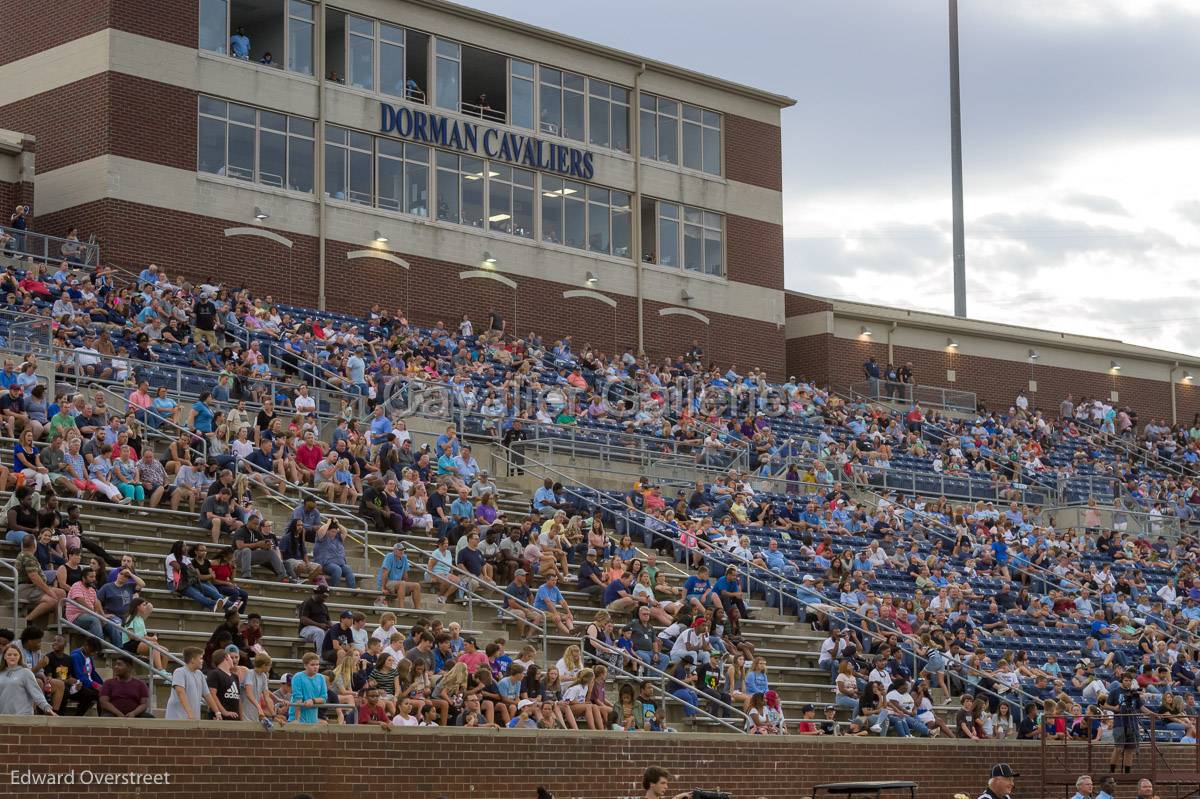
(798, 304)
(754, 252)
(838, 362)
(13, 193)
(109, 113)
(753, 152)
(32, 26)
(132, 235)
(211, 759)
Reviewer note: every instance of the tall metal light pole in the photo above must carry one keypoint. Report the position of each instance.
(960, 247)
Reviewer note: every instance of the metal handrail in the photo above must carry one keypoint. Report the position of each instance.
(929, 425)
(747, 565)
(929, 396)
(1040, 573)
(363, 530)
(13, 589)
(151, 431)
(1148, 455)
(107, 645)
(866, 471)
(1171, 525)
(664, 678)
(24, 243)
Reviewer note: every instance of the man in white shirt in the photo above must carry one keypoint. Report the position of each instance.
(831, 651)
(881, 675)
(692, 641)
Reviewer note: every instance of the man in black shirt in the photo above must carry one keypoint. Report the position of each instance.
(1126, 704)
(224, 698)
(337, 638)
(511, 436)
(1001, 783)
(12, 409)
(471, 559)
(591, 577)
(204, 325)
(314, 616)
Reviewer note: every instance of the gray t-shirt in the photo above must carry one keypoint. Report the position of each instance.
(257, 683)
(194, 686)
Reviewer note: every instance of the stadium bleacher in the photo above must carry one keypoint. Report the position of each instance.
(898, 531)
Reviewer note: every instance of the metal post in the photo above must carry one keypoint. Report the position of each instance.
(960, 252)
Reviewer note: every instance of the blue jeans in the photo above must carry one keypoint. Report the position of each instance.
(335, 572)
(659, 661)
(848, 702)
(205, 594)
(234, 593)
(691, 701)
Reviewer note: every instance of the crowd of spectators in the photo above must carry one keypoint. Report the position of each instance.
(257, 427)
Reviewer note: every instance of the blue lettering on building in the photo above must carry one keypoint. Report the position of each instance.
(515, 148)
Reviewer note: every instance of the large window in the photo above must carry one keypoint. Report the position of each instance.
(449, 75)
(214, 26)
(360, 51)
(460, 184)
(391, 60)
(245, 143)
(681, 236)
(403, 177)
(510, 200)
(274, 33)
(521, 91)
(560, 97)
(349, 165)
(608, 115)
(678, 133)
(301, 29)
(608, 221)
(564, 212)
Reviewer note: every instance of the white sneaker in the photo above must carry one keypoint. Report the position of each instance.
(381, 603)
(875, 728)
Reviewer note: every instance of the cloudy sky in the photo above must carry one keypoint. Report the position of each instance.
(1081, 146)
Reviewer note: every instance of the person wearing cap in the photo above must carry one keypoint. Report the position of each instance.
(591, 577)
(482, 485)
(1000, 784)
(392, 579)
(339, 639)
(518, 600)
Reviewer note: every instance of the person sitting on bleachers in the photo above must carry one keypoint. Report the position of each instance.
(329, 551)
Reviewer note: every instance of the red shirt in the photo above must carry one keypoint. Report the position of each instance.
(309, 457)
(371, 714)
(223, 572)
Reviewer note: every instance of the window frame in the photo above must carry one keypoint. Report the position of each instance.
(256, 173)
(709, 222)
(704, 124)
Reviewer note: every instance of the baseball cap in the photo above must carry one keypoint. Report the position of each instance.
(525, 703)
(346, 614)
(1003, 770)
(520, 573)
(399, 546)
(233, 649)
(807, 708)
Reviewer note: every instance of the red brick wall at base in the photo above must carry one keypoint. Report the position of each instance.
(244, 761)
(133, 235)
(838, 362)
